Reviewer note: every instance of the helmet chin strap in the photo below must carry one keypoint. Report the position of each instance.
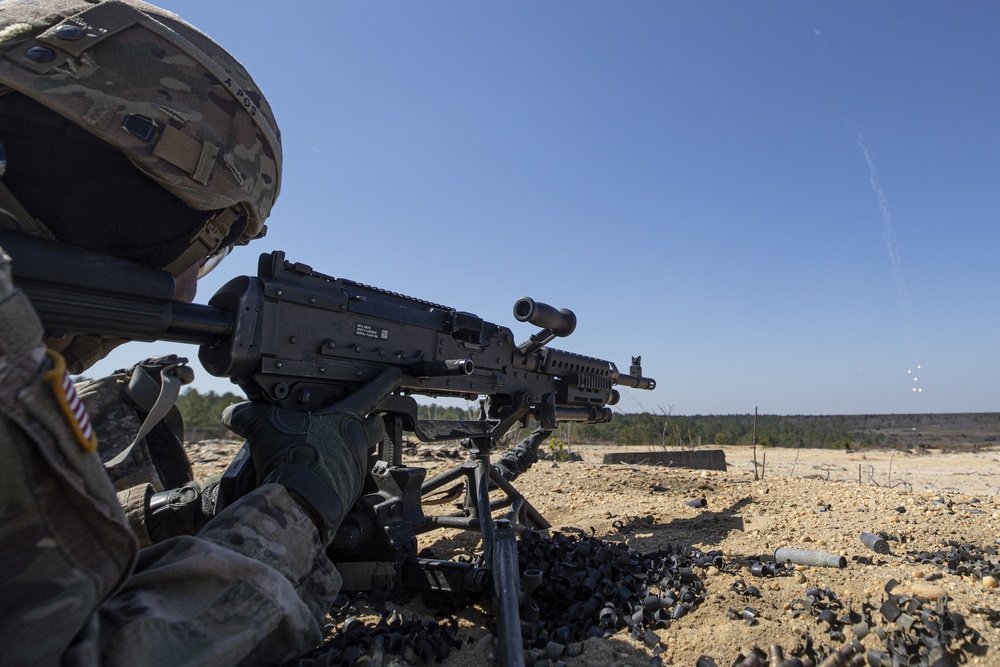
(204, 242)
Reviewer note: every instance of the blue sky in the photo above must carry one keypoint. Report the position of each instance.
(782, 205)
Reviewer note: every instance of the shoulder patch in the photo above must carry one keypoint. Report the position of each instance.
(69, 402)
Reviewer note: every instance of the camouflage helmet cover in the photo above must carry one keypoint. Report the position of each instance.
(183, 110)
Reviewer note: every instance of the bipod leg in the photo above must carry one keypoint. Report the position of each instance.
(500, 554)
(479, 507)
(507, 593)
(522, 512)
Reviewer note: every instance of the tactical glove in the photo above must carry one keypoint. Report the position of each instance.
(319, 457)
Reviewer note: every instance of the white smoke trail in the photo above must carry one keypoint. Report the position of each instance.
(896, 263)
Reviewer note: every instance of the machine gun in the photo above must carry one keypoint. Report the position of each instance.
(297, 338)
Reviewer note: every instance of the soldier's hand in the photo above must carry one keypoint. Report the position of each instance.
(319, 457)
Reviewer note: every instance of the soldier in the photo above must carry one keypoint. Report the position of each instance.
(129, 133)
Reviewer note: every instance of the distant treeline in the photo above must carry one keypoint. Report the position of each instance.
(201, 419)
(833, 431)
(202, 414)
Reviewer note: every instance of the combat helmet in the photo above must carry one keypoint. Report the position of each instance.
(180, 108)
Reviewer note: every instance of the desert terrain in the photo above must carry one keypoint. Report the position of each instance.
(939, 514)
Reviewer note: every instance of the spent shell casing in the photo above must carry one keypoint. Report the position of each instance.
(875, 543)
(807, 557)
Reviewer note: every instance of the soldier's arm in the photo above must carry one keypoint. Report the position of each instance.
(76, 585)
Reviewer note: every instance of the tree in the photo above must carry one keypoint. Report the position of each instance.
(202, 413)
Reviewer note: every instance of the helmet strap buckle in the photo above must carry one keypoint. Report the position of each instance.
(205, 242)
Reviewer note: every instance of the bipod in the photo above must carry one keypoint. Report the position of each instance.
(499, 536)
(376, 546)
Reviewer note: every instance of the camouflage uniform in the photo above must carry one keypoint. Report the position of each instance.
(253, 586)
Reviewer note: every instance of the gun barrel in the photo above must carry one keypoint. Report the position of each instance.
(636, 382)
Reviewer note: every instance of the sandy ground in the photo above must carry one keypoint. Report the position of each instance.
(805, 499)
(964, 473)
